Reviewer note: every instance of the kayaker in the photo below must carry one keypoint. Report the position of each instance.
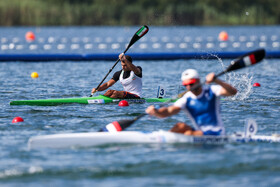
(201, 103)
(130, 77)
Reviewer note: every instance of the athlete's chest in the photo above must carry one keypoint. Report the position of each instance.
(128, 78)
(125, 74)
(205, 102)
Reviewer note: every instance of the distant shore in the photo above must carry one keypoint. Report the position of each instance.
(138, 12)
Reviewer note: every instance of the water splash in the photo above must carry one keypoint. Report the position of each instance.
(241, 81)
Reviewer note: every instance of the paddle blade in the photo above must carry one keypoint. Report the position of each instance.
(117, 126)
(120, 125)
(247, 60)
(139, 34)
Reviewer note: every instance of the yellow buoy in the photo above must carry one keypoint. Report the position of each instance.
(34, 75)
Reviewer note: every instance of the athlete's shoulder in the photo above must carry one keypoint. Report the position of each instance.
(116, 75)
(216, 89)
(140, 74)
(118, 72)
(188, 94)
(181, 102)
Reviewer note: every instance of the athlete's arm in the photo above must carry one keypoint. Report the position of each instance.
(226, 90)
(104, 86)
(163, 112)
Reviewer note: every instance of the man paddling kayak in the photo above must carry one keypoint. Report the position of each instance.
(130, 77)
(201, 104)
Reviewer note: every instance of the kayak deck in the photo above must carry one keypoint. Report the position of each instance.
(101, 99)
(132, 137)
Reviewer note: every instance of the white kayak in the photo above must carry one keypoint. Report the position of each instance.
(136, 137)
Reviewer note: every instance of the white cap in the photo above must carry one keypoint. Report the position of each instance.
(189, 76)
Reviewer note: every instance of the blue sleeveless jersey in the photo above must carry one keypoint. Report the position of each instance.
(204, 110)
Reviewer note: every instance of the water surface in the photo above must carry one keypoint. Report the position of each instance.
(137, 165)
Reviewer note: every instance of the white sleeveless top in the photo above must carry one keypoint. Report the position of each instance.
(132, 84)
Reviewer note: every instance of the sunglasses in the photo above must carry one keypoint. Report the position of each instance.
(189, 84)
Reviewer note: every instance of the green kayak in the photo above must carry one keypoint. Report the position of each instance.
(101, 99)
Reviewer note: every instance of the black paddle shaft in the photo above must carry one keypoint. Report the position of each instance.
(126, 123)
(107, 75)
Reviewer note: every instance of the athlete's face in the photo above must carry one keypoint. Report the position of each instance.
(192, 84)
(124, 66)
(189, 86)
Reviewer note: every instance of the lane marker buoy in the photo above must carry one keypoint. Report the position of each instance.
(17, 119)
(34, 75)
(256, 84)
(30, 36)
(123, 103)
(223, 36)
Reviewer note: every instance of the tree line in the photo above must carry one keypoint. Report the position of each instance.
(138, 12)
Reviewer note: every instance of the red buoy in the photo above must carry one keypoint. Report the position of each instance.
(30, 36)
(223, 36)
(17, 119)
(123, 103)
(256, 84)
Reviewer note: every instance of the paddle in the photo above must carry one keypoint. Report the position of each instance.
(120, 125)
(139, 34)
(243, 61)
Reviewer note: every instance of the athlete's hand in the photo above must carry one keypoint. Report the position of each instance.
(122, 57)
(151, 110)
(210, 78)
(93, 91)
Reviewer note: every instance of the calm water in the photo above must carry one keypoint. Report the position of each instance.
(137, 165)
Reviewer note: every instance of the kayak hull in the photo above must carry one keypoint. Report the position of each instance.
(136, 137)
(101, 99)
